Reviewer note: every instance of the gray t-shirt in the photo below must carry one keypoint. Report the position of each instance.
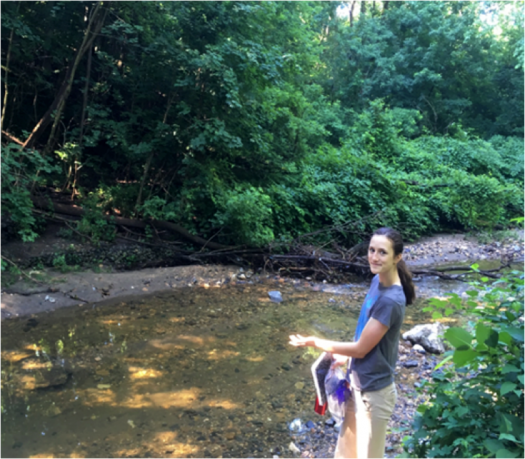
(387, 305)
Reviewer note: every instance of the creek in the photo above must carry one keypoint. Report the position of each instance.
(191, 372)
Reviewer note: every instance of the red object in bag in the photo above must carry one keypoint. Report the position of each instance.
(320, 409)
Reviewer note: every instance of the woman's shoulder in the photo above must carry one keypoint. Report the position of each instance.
(392, 294)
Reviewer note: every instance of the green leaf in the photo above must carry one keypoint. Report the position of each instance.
(506, 387)
(510, 316)
(492, 341)
(516, 333)
(458, 337)
(436, 315)
(504, 453)
(509, 369)
(482, 332)
(445, 360)
(506, 436)
(493, 445)
(474, 267)
(520, 378)
(505, 337)
(463, 357)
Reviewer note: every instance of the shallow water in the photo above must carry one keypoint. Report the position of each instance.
(196, 372)
(193, 373)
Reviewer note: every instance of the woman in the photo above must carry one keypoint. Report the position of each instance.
(374, 350)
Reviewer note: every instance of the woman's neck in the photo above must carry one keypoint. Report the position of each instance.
(390, 278)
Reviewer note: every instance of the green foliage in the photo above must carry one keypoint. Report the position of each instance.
(201, 112)
(248, 212)
(60, 263)
(441, 58)
(475, 406)
(94, 223)
(20, 172)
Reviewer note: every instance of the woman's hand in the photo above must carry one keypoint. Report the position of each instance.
(302, 341)
(339, 360)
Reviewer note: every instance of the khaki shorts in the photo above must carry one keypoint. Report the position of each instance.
(363, 432)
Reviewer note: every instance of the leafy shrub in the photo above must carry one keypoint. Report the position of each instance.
(475, 406)
(247, 213)
(21, 169)
(510, 150)
(473, 201)
(94, 223)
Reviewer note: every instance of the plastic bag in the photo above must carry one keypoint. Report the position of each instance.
(320, 369)
(337, 393)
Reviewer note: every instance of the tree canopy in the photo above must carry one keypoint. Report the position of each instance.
(260, 121)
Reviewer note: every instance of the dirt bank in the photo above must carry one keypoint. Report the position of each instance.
(57, 289)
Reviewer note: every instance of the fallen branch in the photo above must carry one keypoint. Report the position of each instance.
(12, 263)
(12, 138)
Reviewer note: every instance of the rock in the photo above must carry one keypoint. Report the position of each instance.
(44, 378)
(428, 336)
(275, 296)
(411, 364)
(310, 425)
(419, 348)
(299, 385)
(330, 422)
(31, 323)
(293, 448)
(286, 367)
(296, 425)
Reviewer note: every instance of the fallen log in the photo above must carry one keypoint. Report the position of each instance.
(47, 204)
(441, 272)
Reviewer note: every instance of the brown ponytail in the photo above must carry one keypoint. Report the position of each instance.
(404, 273)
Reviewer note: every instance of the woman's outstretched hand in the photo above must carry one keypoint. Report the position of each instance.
(302, 341)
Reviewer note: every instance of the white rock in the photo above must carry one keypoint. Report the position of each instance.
(293, 448)
(275, 296)
(419, 348)
(427, 335)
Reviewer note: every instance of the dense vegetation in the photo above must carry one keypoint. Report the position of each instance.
(253, 122)
(475, 406)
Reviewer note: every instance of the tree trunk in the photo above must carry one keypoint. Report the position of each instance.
(85, 99)
(95, 24)
(143, 181)
(8, 59)
(351, 13)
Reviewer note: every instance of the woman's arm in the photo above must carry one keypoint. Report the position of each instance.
(371, 335)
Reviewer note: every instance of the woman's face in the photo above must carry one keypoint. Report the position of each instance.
(381, 255)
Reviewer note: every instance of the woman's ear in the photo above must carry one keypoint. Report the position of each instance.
(398, 258)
